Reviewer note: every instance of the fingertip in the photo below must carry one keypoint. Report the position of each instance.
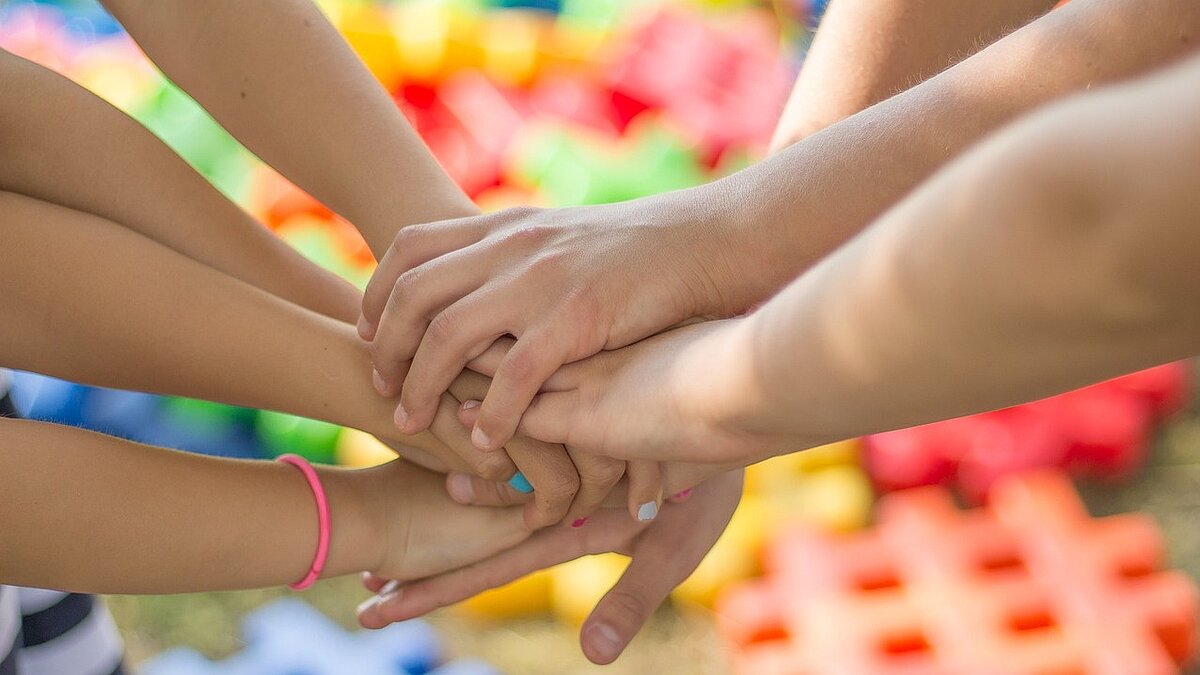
(366, 329)
(460, 488)
(468, 412)
(381, 384)
(481, 440)
(601, 643)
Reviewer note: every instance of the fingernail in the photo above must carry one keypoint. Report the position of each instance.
(579, 522)
(480, 439)
(680, 496)
(389, 588)
(471, 405)
(369, 603)
(647, 511)
(460, 488)
(365, 330)
(605, 641)
(378, 381)
(401, 417)
(520, 483)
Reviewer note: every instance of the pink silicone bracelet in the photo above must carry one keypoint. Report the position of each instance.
(324, 523)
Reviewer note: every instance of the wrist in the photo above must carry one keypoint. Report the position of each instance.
(727, 394)
(742, 260)
(357, 509)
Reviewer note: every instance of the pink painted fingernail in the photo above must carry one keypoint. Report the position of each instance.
(471, 405)
(460, 488)
(680, 496)
(579, 522)
(380, 384)
(401, 417)
(480, 438)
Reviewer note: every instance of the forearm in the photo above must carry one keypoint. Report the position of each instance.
(145, 520)
(278, 76)
(1060, 253)
(65, 146)
(789, 211)
(90, 301)
(868, 50)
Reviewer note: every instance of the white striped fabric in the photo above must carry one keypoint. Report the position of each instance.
(38, 599)
(92, 648)
(10, 620)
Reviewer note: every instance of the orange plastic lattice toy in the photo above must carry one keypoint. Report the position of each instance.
(1030, 585)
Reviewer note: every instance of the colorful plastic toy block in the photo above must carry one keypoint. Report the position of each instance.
(1030, 585)
(731, 89)
(823, 487)
(289, 637)
(1101, 431)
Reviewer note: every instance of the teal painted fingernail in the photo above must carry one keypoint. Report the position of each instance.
(647, 511)
(520, 483)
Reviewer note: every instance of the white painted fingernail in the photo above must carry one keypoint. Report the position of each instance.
(389, 588)
(370, 603)
(647, 511)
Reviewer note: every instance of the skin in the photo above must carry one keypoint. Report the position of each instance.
(932, 313)
(662, 554)
(147, 520)
(278, 76)
(569, 283)
(869, 50)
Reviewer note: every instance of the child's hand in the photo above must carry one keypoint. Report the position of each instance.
(663, 554)
(652, 400)
(426, 532)
(567, 283)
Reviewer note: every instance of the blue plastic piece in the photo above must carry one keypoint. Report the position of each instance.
(289, 637)
(520, 483)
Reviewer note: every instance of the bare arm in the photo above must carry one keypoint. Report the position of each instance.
(66, 146)
(572, 282)
(1060, 252)
(88, 512)
(278, 76)
(868, 50)
(89, 300)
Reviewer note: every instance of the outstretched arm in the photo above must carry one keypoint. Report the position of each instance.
(92, 301)
(278, 76)
(87, 512)
(868, 50)
(66, 146)
(1061, 252)
(571, 282)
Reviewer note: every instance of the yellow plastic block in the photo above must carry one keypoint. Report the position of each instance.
(422, 33)
(735, 555)
(360, 450)
(779, 474)
(838, 498)
(511, 43)
(579, 585)
(527, 596)
(366, 29)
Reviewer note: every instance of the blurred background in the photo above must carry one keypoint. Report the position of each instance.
(564, 102)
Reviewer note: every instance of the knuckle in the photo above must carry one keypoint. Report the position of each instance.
(444, 326)
(563, 488)
(627, 607)
(494, 471)
(606, 474)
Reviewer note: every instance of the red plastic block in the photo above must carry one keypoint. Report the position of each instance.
(1102, 431)
(1030, 585)
(723, 85)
